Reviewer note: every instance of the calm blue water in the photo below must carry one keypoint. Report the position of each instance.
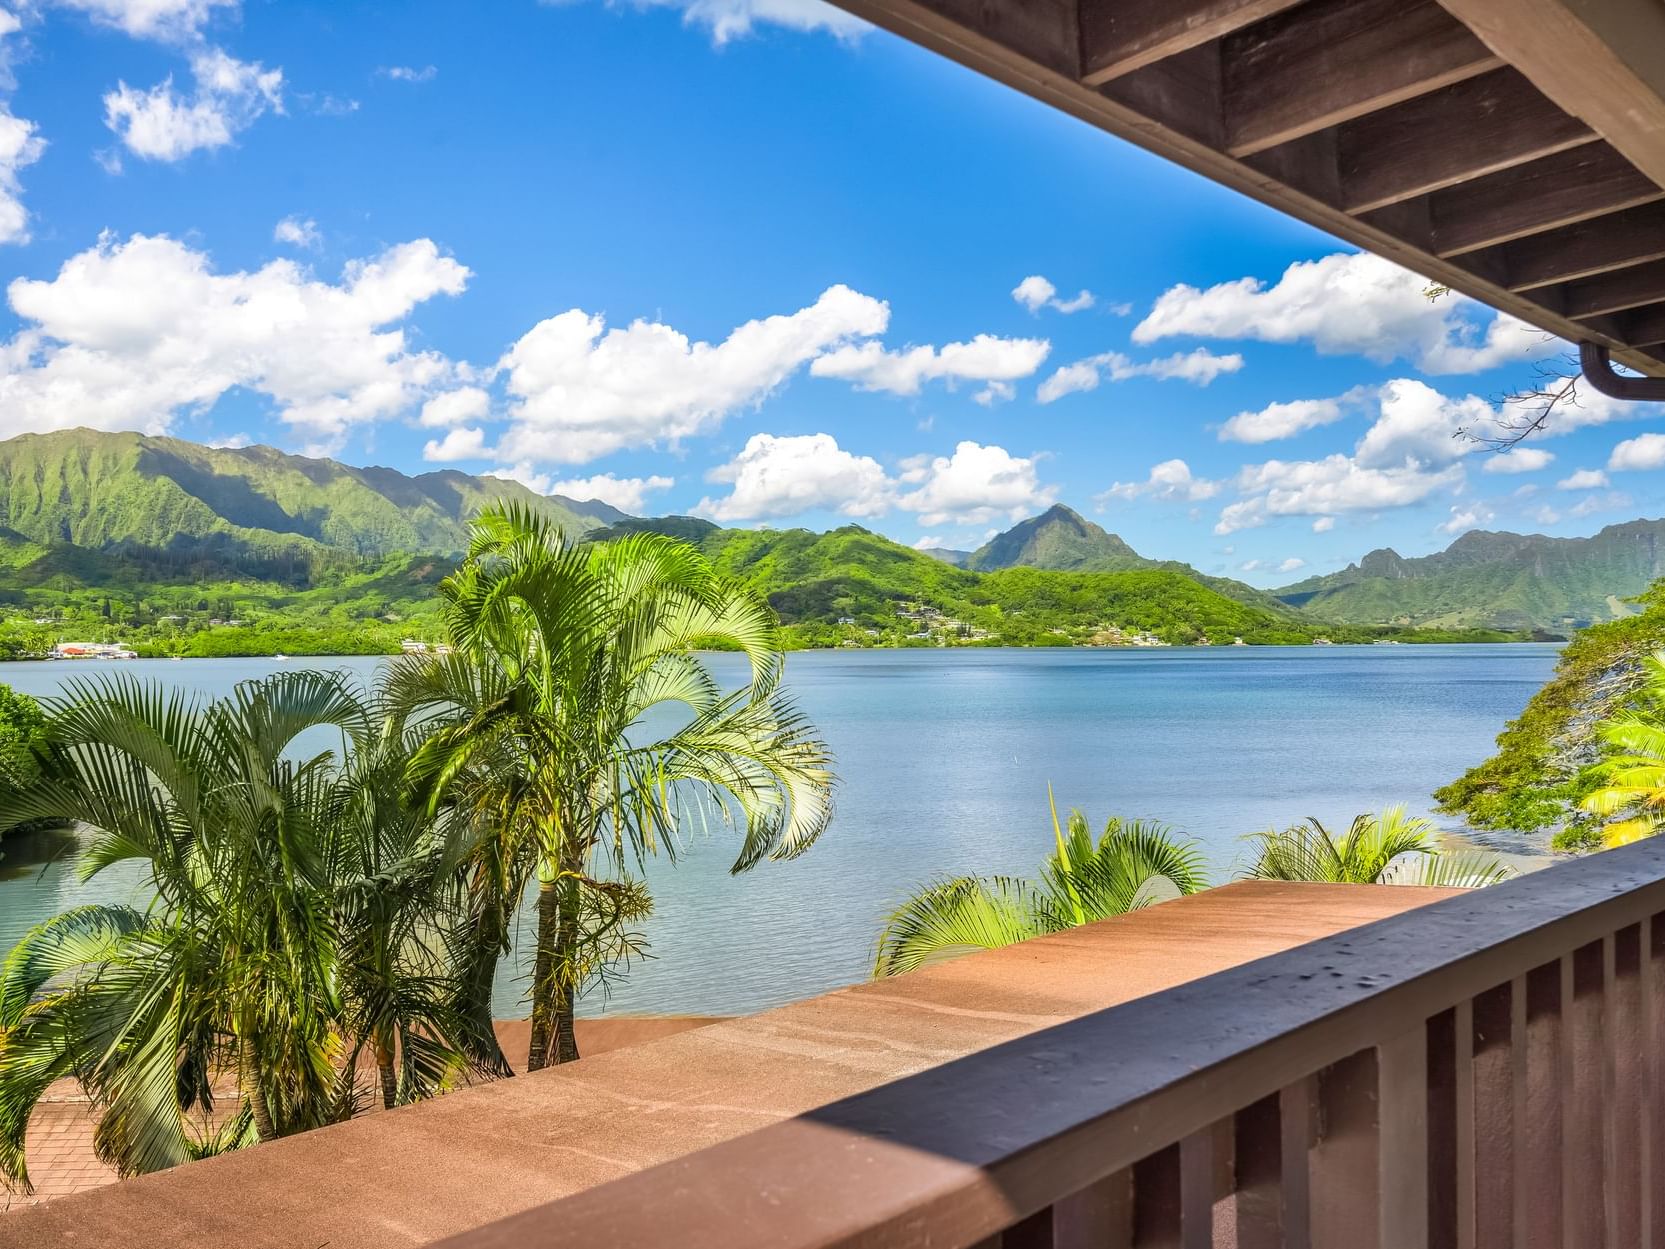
(945, 758)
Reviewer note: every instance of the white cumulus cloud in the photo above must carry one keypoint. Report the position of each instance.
(1636, 454)
(1199, 366)
(728, 20)
(463, 443)
(975, 485)
(1169, 480)
(166, 125)
(1584, 479)
(581, 390)
(455, 407)
(628, 494)
(297, 232)
(1463, 518)
(168, 21)
(129, 334)
(1326, 488)
(1291, 417)
(986, 358)
(1417, 425)
(20, 146)
(1350, 303)
(1519, 460)
(784, 476)
(1035, 293)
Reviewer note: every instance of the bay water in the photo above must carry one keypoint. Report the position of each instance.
(944, 757)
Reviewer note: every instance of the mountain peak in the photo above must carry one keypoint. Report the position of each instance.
(1059, 538)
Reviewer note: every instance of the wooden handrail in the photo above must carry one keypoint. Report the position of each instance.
(1360, 1089)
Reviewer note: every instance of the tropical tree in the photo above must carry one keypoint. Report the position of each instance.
(269, 863)
(1391, 848)
(1132, 864)
(22, 733)
(1632, 777)
(576, 727)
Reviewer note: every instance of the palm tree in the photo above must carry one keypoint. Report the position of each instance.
(399, 903)
(1634, 775)
(1387, 849)
(1132, 864)
(270, 866)
(577, 728)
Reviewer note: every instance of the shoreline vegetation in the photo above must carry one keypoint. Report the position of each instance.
(306, 644)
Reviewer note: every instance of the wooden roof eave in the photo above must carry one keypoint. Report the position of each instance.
(1549, 206)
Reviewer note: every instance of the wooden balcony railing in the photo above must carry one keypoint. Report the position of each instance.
(1483, 1072)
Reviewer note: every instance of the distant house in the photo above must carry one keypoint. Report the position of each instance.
(91, 650)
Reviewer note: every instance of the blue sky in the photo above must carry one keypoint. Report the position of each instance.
(774, 269)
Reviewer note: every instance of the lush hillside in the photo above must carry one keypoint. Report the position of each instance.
(174, 548)
(160, 543)
(853, 587)
(1495, 580)
(1543, 760)
(168, 498)
(1063, 540)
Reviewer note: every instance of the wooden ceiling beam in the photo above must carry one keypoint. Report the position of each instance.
(1618, 291)
(1643, 327)
(1330, 61)
(1601, 60)
(1479, 127)
(1582, 250)
(1120, 36)
(1589, 181)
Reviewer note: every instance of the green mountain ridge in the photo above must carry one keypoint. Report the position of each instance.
(1063, 540)
(121, 491)
(1494, 580)
(850, 586)
(183, 549)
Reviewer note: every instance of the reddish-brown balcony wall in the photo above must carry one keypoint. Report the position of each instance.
(416, 1174)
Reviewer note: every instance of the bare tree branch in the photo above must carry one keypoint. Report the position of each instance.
(1522, 413)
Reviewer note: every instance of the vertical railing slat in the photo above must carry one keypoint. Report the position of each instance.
(1624, 1064)
(1496, 1066)
(1100, 1216)
(1402, 1142)
(1537, 1018)
(1196, 1190)
(1465, 1146)
(1443, 1115)
(1297, 1109)
(1583, 1140)
(1258, 1187)
(1157, 1202)
(1345, 1159)
(1653, 1116)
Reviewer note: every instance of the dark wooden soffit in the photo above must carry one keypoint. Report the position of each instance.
(1512, 149)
